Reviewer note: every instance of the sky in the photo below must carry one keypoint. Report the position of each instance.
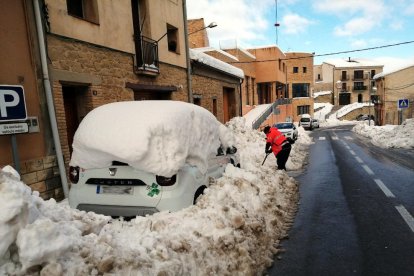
(234, 229)
(320, 27)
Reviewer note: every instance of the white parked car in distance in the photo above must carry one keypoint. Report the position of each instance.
(142, 157)
(306, 121)
(315, 123)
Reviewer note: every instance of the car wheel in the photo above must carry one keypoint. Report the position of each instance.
(198, 193)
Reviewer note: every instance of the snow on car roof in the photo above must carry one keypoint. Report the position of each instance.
(155, 136)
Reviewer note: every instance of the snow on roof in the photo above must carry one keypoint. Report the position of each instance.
(392, 71)
(320, 93)
(155, 136)
(216, 63)
(211, 49)
(247, 53)
(355, 62)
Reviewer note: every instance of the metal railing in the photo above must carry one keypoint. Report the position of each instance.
(147, 55)
(359, 88)
(266, 113)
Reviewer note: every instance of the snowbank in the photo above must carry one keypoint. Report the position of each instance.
(234, 229)
(388, 136)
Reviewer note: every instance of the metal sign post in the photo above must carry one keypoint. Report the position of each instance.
(402, 104)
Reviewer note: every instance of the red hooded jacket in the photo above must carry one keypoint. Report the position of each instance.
(275, 138)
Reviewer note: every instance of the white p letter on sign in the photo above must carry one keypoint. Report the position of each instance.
(4, 104)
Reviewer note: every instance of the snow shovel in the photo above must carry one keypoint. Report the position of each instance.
(267, 154)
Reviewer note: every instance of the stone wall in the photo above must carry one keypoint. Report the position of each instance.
(42, 175)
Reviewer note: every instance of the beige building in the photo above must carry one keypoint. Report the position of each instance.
(349, 79)
(300, 83)
(393, 88)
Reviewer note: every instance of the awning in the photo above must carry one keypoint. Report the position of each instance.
(150, 87)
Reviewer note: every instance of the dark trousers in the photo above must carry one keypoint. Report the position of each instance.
(282, 157)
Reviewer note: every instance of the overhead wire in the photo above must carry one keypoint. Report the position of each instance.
(333, 53)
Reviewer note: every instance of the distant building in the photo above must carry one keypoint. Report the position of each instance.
(392, 87)
(300, 82)
(350, 79)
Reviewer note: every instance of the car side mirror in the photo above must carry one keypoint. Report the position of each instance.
(231, 150)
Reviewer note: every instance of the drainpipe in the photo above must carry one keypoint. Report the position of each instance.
(187, 54)
(49, 98)
(241, 103)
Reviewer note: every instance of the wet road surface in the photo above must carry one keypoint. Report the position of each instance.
(356, 210)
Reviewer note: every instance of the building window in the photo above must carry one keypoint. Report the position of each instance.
(215, 107)
(172, 38)
(300, 90)
(197, 99)
(280, 64)
(372, 73)
(358, 75)
(319, 76)
(304, 70)
(359, 85)
(295, 70)
(303, 109)
(343, 76)
(84, 9)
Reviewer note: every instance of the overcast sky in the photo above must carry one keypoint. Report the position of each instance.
(323, 26)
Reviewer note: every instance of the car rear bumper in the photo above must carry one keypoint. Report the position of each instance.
(118, 211)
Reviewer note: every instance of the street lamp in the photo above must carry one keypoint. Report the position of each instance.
(211, 25)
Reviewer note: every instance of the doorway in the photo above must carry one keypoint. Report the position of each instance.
(229, 103)
(75, 110)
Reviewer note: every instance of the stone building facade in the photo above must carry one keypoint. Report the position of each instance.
(392, 87)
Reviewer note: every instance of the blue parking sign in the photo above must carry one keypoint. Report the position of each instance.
(403, 103)
(12, 103)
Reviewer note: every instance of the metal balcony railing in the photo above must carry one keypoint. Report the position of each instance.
(147, 55)
(360, 88)
(344, 78)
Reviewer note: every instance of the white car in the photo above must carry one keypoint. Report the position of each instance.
(306, 121)
(288, 129)
(159, 161)
(315, 123)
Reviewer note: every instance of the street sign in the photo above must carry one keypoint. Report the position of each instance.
(14, 128)
(12, 103)
(403, 103)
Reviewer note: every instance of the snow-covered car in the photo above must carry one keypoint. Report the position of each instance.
(288, 129)
(315, 123)
(141, 157)
(306, 121)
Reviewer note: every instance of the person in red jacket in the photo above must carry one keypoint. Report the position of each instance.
(277, 143)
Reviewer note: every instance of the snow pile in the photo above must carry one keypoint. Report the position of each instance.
(234, 229)
(149, 135)
(323, 110)
(388, 136)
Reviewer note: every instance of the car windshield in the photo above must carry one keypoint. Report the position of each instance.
(305, 120)
(284, 125)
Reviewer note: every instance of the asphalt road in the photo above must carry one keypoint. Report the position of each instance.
(356, 210)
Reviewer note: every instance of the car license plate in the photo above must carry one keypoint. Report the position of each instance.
(117, 190)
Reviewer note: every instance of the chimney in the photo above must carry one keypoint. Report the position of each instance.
(349, 59)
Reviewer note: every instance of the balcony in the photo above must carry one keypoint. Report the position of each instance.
(360, 88)
(147, 61)
(344, 78)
